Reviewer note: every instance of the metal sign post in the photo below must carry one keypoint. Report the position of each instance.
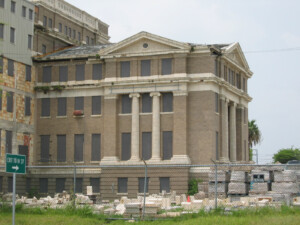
(15, 164)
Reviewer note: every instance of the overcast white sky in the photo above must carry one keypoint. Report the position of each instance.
(258, 25)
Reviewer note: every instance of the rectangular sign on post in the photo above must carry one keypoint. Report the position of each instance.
(15, 163)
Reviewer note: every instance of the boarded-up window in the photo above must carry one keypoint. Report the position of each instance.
(9, 101)
(78, 187)
(126, 104)
(166, 66)
(146, 145)
(43, 185)
(164, 184)
(45, 107)
(97, 71)
(61, 148)
(125, 69)
(45, 21)
(78, 147)
(167, 145)
(47, 71)
(1, 30)
(146, 103)
(61, 106)
(80, 72)
(50, 23)
(142, 183)
(60, 185)
(23, 150)
(96, 147)
(8, 142)
(10, 184)
(13, 6)
(216, 102)
(96, 105)
(44, 49)
(63, 73)
(145, 68)
(122, 184)
(27, 106)
(126, 146)
(95, 183)
(28, 73)
(167, 102)
(45, 145)
(217, 145)
(28, 185)
(10, 67)
(79, 103)
(30, 14)
(60, 27)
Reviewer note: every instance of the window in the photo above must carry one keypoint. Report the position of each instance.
(61, 148)
(8, 142)
(61, 106)
(45, 145)
(45, 107)
(60, 185)
(92, 41)
(30, 14)
(23, 11)
(79, 36)
(95, 183)
(245, 115)
(142, 184)
(145, 67)
(28, 184)
(167, 100)
(225, 73)
(238, 80)
(66, 30)
(166, 66)
(27, 106)
(97, 71)
(74, 34)
(47, 72)
(87, 40)
(10, 69)
(79, 103)
(70, 32)
(44, 49)
(9, 101)
(125, 69)
(60, 27)
(122, 185)
(12, 35)
(96, 147)
(167, 145)
(80, 72)
(96, 105)
(63, 73)
(78, 147)
(146, 103)
(10, 184)
(164, 184)
(29, 41)
(50, 23)
(217, 145)
(13, 7)
(146, 145)
(45, 21)
(126, 146)
(78, 185)
(1, 30)
(216, 102)
(43, 185)
(2, 3)
(126, 104)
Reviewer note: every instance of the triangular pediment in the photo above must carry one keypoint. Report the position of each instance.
(145, 43)
(235, 53)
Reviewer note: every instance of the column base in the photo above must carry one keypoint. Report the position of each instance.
(108, 160)
(224, 160)
(134, 159)
(154, 160)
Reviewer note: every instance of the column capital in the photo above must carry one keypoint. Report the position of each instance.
(137, 95)
(240, 106)
(154, 94)
(224, 98)
(234, 104)
(112, 96)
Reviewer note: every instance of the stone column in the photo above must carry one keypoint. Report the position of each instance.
(155, 126)
(232, 132)
(224, 108)
(135, 127)
(240, 151)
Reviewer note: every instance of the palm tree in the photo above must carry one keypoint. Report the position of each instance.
(254, 136)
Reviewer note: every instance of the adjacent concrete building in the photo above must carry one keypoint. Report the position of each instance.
(146, 97)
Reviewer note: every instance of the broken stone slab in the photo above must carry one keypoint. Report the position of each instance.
(166, 203)
(183, 198)
(200, 195)
(178, 200)
(197, 204)
(186, 206)
(110, 211)
(120, 209)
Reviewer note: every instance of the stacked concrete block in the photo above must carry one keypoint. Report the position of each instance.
(260, 182)
(238, 183)
(285, 182)
(222, 184)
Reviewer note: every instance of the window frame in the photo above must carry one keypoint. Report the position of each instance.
(12, 37)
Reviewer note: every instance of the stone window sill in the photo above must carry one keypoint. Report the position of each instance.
(122, 194)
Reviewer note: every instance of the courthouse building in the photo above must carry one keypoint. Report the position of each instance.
(144, 98)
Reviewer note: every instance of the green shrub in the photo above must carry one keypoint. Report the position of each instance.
(193, 186)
